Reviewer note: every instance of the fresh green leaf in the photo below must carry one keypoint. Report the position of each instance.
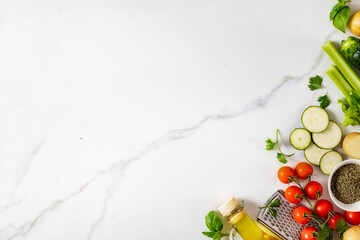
(270, 145)
(209, 234)
(280, 156)
(336, 9)
(273, 212)
(324, 101)
(315, 82)
(275, 203)
(218, 236)
(341, 18)
(213, 222)
(325, 233)
(341, 226)
(351, 108)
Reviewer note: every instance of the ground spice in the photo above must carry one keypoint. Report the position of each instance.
(345, 183)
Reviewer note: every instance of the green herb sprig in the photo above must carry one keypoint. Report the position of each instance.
(272, 207)
(324, 101)
(340, 14)
(315, 82)
(215, 225)
(270, 145)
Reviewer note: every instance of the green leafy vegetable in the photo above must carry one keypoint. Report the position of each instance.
(325, 233)
(351, 108)
(215, 225)
(213, 222)
(348, 82)
(270, 145)
(341, 226)
(275, 203)
(324, 101)
(315, 82)
(272, 207)
(339, 15)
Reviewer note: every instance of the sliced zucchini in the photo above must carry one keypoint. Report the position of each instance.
(300, 138)
(314, 154)
(329, 138)
(315, 119)
(329, 161)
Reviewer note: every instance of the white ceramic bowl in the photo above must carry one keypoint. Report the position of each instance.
(355, 207)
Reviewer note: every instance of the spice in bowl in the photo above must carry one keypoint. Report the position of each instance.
(345, 183)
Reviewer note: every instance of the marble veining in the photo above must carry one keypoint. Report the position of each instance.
(98, 194)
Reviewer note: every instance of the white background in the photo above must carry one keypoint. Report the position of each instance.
(132, 119)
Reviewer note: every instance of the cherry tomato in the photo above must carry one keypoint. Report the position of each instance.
(313, 190)
(334, 219)
(353, 217)
(294, 194)
(303, 170)
(308, 233)
(302, 215)
(323, 207)
(285, 173)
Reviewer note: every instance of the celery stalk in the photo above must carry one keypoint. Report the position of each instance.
(340, 81)
(342, 64)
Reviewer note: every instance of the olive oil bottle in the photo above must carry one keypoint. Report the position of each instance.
(234, 212)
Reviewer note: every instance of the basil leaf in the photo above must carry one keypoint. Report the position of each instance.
(341, 19)
(273, 212)
(275, 203)
(335, 10)
(209, 234)
(213, 222)
(218, 236)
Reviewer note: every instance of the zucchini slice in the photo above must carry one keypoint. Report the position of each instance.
(300, 138)
(314, 154)
(329, 161)
(329, 138)
(315, 119)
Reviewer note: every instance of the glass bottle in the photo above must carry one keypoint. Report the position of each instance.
(233, 211)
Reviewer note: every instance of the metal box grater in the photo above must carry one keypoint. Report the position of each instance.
(284, 226)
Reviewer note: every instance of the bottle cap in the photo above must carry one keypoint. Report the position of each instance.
(230, 207)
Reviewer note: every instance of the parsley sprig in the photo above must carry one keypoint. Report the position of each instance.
(324, 101)
(315, 83)
(270, 145)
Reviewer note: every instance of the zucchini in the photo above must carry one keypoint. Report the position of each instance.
(329, 161)
(315, 119)
(314, 154)
(300, 138)
(329, 138)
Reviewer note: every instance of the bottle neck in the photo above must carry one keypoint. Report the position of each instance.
(236, 217)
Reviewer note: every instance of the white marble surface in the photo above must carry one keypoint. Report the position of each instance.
(131, 119)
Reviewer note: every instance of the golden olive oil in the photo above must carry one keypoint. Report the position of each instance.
(233, 211)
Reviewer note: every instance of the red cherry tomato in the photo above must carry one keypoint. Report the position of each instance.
(334, 219)
(308, 233)
(303, 170)
(285, 173)
(302, 215)
(353, 217)
(323, 207)
(313, 190)
(294, 194)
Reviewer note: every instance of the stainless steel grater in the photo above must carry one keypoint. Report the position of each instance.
(284, 226)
